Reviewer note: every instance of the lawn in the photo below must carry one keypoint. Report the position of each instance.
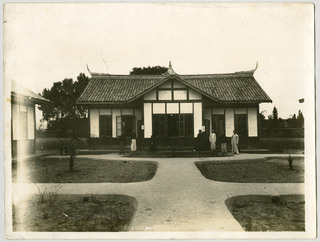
(69, 213)
(271, 170)
(257, 215)
(56, 170)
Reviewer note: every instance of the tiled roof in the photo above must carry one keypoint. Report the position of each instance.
(235, 87)
(21, 91)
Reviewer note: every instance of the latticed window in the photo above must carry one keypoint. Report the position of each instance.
(185, 125)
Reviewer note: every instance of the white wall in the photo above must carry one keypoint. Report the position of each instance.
(31, 123)
(197, 118)
(172, 108)
(229, 121)
(127, 111)
(147, 120)
(240, 111)
(185, 107)
(105, 111)
(15, 122)
(94, 123)
(159, 108)
(16, 132)
(252, 122)
(217, 111)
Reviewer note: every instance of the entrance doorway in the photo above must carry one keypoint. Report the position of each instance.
(173, 125)
(218, 125)
(127, 125)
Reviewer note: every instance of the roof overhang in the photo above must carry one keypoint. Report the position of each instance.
(25, 99)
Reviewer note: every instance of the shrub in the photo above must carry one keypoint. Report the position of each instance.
(282, 144)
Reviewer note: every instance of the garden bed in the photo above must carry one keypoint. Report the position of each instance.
(56, 170)
(270, 170)
(267, 213)
(70, 213)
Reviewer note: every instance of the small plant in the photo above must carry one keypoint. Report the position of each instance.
(70, 149)
(94, 198)
(49, 197)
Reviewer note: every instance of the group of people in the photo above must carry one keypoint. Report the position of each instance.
(201, 142)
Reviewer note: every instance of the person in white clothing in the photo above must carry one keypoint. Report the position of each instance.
(133, 142)
(212, 139)
(234, 143)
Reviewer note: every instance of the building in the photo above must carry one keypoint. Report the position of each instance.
(174, 106)
(23, 120)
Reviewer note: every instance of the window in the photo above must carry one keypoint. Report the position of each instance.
(164, 95)
(180, 94)
(218, 125)
(105, 126)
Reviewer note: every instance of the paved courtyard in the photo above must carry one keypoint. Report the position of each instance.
(178, 198)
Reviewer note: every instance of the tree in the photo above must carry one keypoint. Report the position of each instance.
(63, 96)
(275, 116)
(154, 70)
(300, 119)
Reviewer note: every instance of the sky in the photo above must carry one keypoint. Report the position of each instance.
(45, 43)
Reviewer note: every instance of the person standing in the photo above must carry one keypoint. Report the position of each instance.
(234, 143)
(133, 141)
(153, 143)
(122, 141)
(199, 141)
(212, 140)
(224, 144)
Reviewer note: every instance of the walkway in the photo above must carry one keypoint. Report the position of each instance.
(178, 198)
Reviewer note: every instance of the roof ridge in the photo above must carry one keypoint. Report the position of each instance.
(182, 75)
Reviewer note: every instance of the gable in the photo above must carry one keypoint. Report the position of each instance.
(172, 90)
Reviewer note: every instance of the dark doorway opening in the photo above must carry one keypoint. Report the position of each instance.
(241, 124)
(173, 125)
(127, 125)
(218, 125)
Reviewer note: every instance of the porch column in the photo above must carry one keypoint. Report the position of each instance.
(94, 123)
(229, 114)
(197, 118)
(147, 120)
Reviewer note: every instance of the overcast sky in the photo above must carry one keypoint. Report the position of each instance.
(45, 43)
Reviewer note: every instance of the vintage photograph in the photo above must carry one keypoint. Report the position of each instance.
(159, 120)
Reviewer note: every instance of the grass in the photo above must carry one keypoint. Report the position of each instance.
(56, 170)
(257, 215)
(73, 213)
(271, 170)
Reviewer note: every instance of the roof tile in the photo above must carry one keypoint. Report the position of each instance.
(235, 87)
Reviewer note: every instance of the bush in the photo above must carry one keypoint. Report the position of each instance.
(282, 144)
(56, 143)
